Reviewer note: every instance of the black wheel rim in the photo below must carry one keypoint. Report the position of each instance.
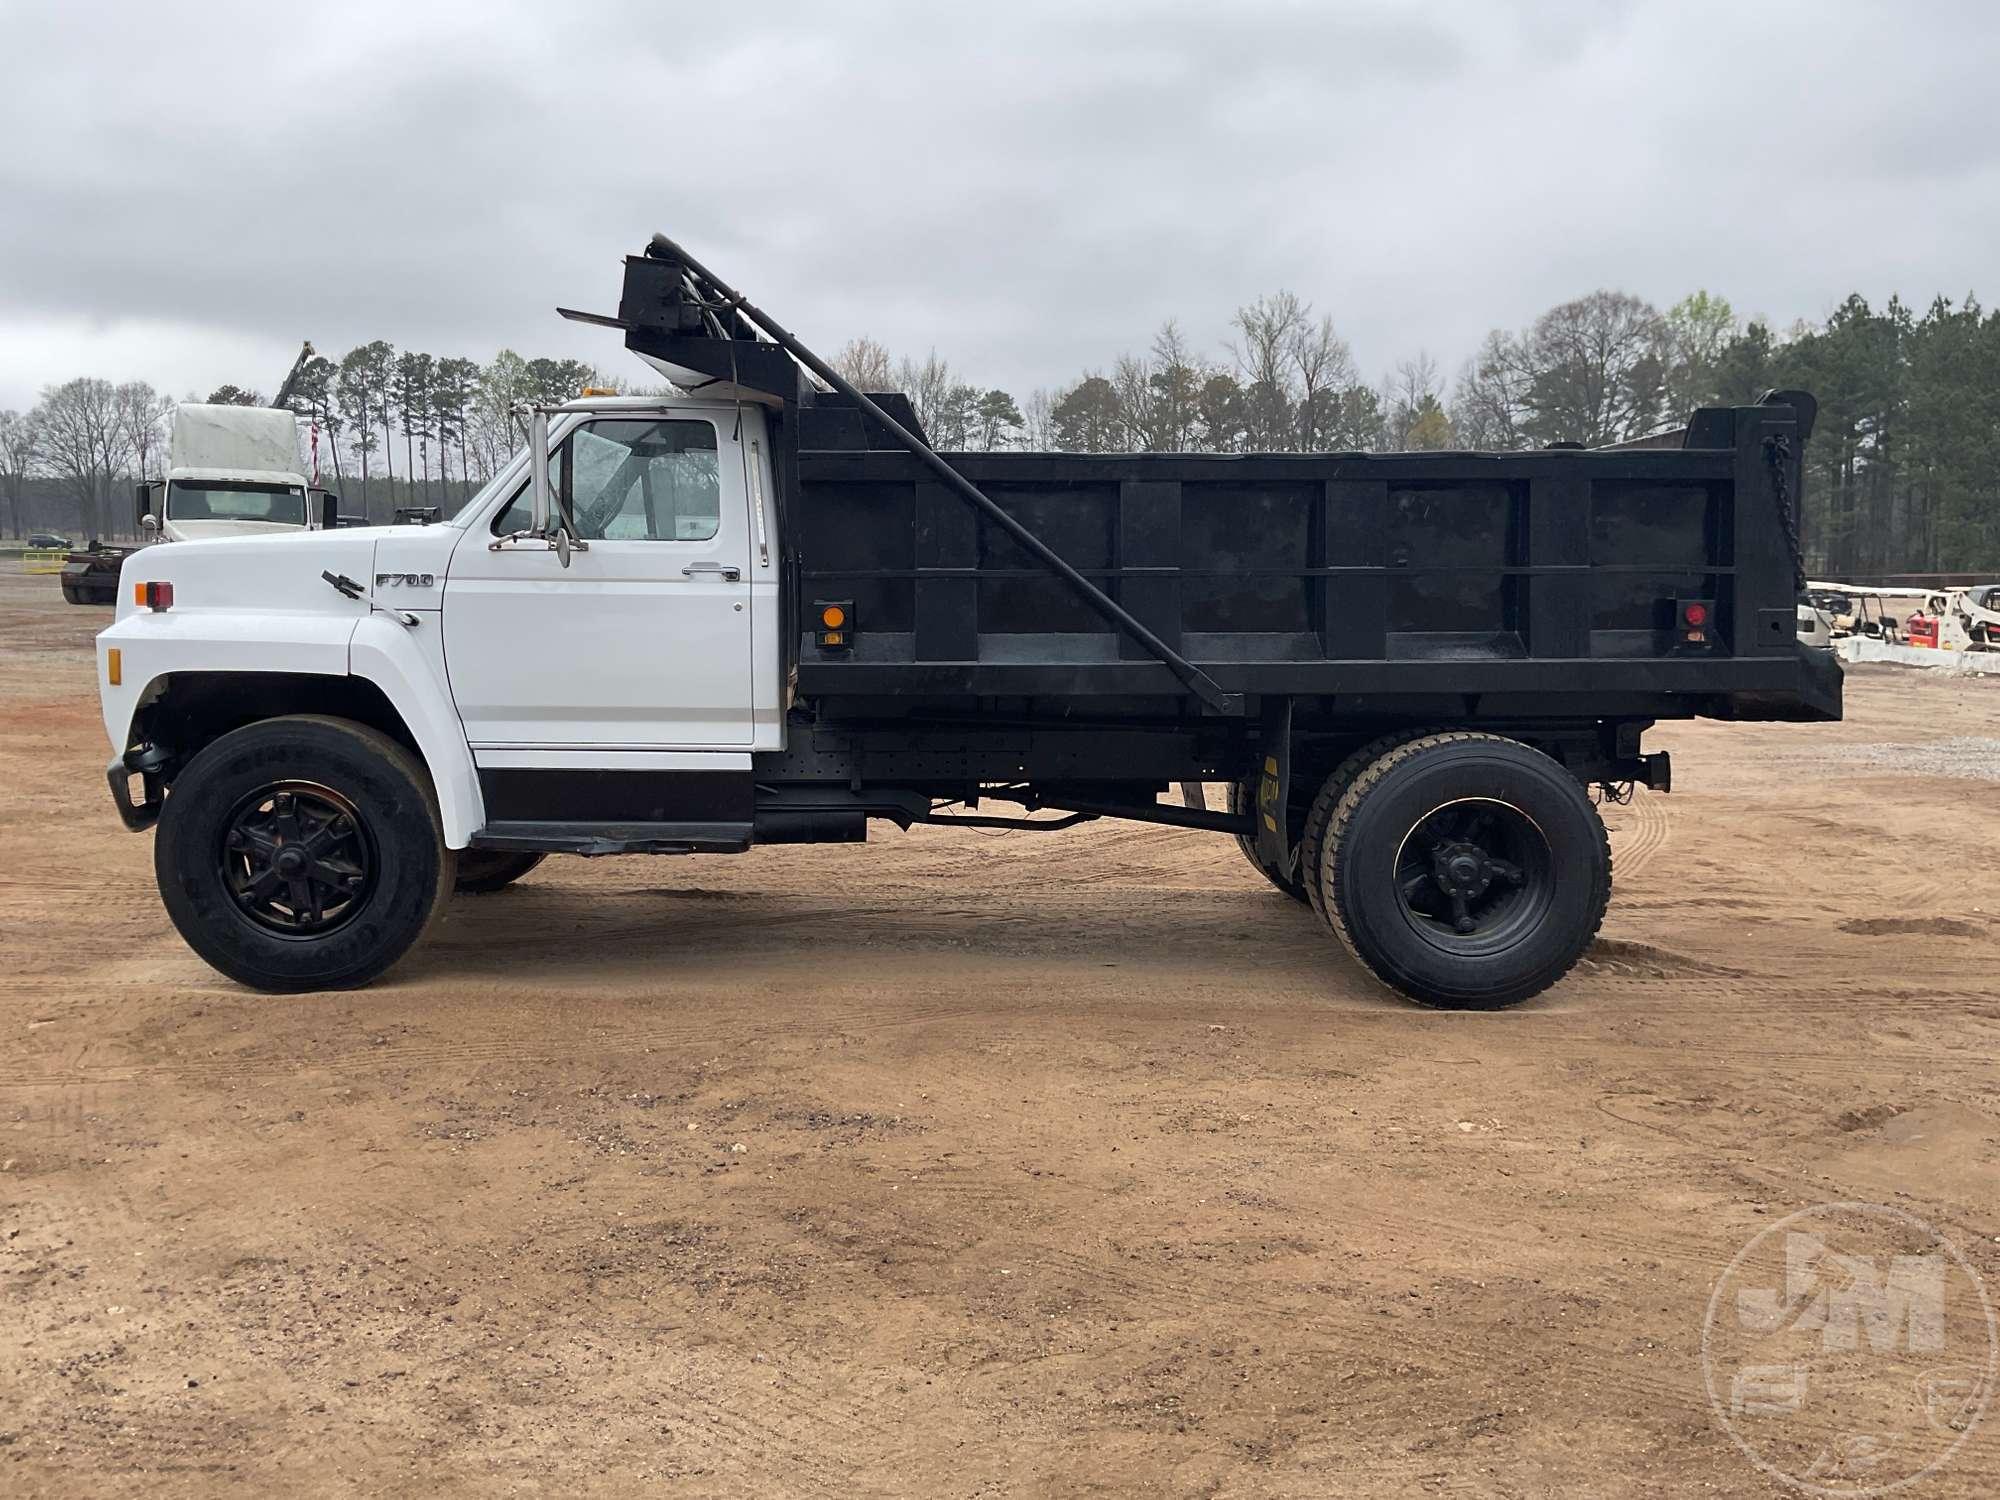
(297, 859)
(1475, 876)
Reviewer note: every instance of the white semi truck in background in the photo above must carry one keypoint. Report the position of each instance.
(232, 471)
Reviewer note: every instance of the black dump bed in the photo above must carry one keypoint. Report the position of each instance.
(1555, 572)
(1549, 582)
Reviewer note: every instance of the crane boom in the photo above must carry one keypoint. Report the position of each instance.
(284, 396)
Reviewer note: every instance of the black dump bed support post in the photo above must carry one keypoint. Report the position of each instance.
(1192, 677)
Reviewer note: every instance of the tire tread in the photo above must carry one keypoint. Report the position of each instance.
(1343, 814)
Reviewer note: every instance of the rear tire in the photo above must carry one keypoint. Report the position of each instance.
(483, 871)
(1319, 818)
(1466, 870)
(302, 853)
(1242, 803)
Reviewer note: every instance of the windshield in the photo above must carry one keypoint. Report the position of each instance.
(236, 500)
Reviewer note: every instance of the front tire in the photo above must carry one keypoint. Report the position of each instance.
(302, 853)
(1466, 870)
(483, 871)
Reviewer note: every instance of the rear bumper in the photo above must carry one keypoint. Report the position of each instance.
(144, 763)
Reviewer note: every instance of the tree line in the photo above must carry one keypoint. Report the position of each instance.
(1903, 473)
(395, 428)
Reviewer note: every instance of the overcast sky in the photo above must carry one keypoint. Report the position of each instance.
(187, 191)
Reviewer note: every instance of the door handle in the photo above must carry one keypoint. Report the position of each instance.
(729, 571)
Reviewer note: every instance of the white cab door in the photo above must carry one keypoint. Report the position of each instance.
(643, 641)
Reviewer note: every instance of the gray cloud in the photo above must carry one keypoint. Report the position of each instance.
(1028, 188)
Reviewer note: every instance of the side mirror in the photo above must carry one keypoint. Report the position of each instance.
(149, 523)
(550, 519)
(326, 509)
(142, 494)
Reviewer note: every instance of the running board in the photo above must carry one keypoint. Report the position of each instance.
(614, 838)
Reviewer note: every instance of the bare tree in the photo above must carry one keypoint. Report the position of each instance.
(20, 449)
(1323, 363)
(1411, 390)
(1178, 373)
(866, 364)
(1038, 425)
(1489, 404)
(143, 413)
(83, 443)
(1593, 370)
(1132, 387)
(1267, 332)
(928, 385)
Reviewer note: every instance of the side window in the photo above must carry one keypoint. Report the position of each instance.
(637, 479)
(647, 481)
(518, 514)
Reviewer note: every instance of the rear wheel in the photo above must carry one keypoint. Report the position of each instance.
(1242, 803)
(302, 853)
(1466, 870)
(482, 871)
(1319, 818)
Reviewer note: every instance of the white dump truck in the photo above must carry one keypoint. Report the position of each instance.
(767, 611)
(232, 471)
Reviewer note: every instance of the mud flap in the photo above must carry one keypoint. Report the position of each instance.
(1275, 848)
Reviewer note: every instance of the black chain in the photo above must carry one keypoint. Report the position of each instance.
(1778, 454)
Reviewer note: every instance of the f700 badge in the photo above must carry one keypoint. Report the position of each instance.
(406, 580)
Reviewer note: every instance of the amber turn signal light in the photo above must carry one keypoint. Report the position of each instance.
(833, 629)
(153, 595)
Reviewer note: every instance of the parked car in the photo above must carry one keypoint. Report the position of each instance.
(50, 540)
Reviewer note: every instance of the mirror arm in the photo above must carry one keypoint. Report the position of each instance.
(549, 518)
(538, 468)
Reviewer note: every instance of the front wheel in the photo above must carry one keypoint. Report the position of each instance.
(302, 853)
(1466, 870)
(483, 871)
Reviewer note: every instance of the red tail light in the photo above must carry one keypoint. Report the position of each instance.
(1691, 619)
(153, 595)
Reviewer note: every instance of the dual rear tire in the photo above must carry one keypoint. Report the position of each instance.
(1464, 870)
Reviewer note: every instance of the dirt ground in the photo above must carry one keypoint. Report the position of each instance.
(968, 1164)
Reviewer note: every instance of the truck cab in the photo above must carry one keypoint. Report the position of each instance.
(232, 471)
